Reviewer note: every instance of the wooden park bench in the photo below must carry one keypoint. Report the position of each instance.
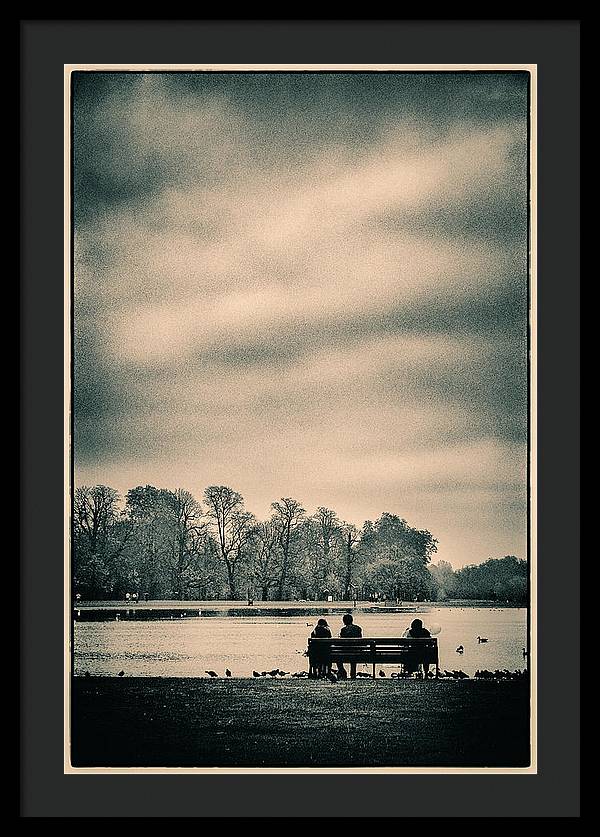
(409, 652)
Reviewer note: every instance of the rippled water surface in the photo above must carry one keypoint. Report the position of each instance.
(187, 647)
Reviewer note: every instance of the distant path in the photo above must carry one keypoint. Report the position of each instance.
(188, 722)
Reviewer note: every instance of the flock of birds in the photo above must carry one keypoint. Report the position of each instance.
(503, 674)
(455, 674)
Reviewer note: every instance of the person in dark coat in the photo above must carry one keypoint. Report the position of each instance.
(320, 631)
(351, 630)
(416, 631)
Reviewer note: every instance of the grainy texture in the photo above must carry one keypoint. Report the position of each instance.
(187, 722)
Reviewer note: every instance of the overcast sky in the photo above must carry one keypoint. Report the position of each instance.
(309, 286)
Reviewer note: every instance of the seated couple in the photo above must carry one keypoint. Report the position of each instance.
(349, 629)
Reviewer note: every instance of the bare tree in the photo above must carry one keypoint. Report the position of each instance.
(147, 509)
(95, 510)
(266, 557)
(327, 530)
(350, 538)
(288, 515)
(187, 539)
(100, 534)
(232, 525)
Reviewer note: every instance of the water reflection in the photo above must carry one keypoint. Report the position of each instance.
(186, 647)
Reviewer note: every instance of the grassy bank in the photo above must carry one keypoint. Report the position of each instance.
(187, 722)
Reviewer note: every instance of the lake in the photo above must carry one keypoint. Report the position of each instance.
(187, 647)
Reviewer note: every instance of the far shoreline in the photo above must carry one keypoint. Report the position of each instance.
(87, 610)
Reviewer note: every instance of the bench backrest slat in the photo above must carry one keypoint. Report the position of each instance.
(373, 649)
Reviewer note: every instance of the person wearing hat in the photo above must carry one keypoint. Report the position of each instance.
(321, 631)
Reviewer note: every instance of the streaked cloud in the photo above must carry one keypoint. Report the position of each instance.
(308, 286)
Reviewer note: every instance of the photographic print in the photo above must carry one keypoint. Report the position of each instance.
(302, 308)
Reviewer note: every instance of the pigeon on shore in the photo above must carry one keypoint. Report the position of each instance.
(121, 673)
(382, 673)
(211, 673)
(227, 673)
(460, 649)
(256, 674)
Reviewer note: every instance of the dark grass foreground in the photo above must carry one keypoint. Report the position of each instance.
(187, 722)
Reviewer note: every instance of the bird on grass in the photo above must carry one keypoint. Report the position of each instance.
(227, 673)
(121, 673)
(382, 673)
(482, 639)
(460, 650)
(499, 674)
(211, 673)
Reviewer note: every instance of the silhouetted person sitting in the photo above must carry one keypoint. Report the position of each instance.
(416, 631)
(352, 631)
(321, 631)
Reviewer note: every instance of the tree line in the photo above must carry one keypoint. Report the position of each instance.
(169, 545)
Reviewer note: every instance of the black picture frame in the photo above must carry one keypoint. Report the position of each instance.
(46, 46)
